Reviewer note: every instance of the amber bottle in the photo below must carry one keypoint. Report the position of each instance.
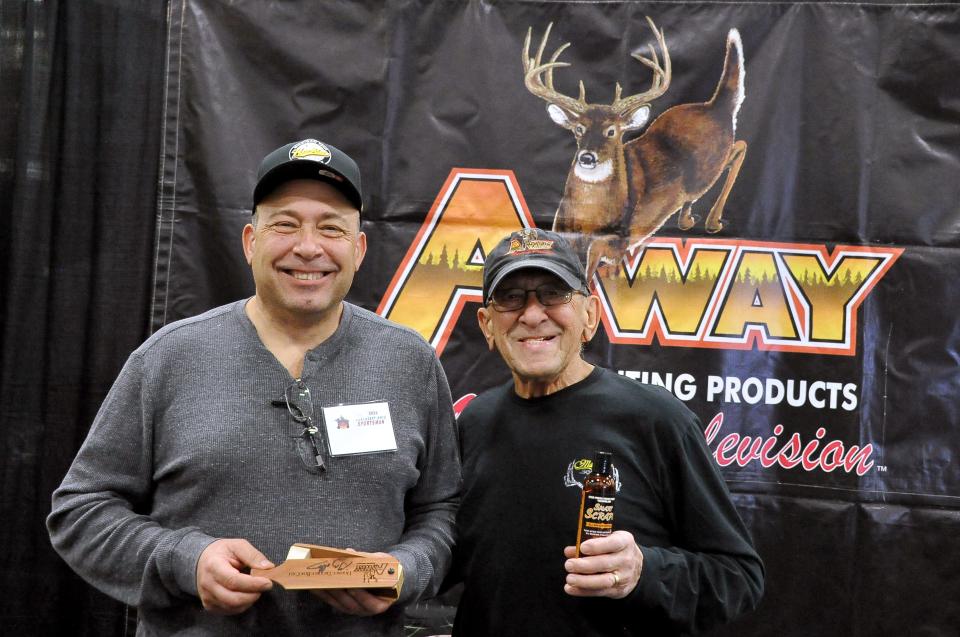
(596, 503)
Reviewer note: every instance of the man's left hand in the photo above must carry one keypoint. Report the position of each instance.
(356, 601)
(607, 567)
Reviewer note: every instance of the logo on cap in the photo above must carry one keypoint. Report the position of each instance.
(524, 241)
(310, 149)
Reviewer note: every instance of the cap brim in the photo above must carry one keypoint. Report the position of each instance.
(305, 169)
(535, 264)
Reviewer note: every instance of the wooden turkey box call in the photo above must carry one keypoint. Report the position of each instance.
(321, 567)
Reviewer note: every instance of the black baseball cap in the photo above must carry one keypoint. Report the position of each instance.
(532, 248)
(309, 159)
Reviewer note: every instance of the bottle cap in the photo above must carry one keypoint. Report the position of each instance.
(601, 462)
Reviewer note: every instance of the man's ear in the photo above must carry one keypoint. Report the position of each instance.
(360, 249)
(484, 318)
(592, 322)
(249, 239)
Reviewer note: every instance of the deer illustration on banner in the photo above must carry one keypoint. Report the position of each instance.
(617, 193)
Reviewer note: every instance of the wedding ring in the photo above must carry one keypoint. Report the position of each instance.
(616, 579)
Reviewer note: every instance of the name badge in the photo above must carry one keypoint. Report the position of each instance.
(364, 428)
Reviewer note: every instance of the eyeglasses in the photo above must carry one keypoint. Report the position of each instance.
(548, 294)
(300, 406)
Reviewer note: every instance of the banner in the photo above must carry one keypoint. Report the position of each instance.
(766, 195)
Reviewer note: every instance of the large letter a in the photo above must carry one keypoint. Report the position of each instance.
(443, 268)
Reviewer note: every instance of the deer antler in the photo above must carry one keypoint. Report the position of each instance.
(534, 70)
(661, 75)
(538, 76)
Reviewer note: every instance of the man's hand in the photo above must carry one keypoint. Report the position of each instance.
(222, 587)
(608, 567)
(356, 601)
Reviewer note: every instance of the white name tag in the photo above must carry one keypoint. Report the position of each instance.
(364, 428)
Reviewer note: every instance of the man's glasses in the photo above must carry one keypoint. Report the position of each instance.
(300, 406)
(548, 294)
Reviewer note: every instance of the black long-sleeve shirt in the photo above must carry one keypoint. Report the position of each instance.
(524, 461)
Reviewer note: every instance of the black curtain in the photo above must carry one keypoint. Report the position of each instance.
(81, 94)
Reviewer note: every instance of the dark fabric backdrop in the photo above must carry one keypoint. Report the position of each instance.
(81, 93)
(81, 98)
(851, 119)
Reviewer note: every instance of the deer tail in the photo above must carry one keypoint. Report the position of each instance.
(730, 92)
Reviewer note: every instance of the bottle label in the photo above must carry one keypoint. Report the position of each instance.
(597, 516)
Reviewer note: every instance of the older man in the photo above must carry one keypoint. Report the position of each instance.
(214, 450)
(680, 559)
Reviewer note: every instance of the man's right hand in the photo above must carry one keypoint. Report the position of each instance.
(222, 587)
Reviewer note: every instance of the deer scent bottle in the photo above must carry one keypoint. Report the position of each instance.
(596, 503)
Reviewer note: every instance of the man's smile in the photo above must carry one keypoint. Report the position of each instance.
(534, 341)
(306, 275)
